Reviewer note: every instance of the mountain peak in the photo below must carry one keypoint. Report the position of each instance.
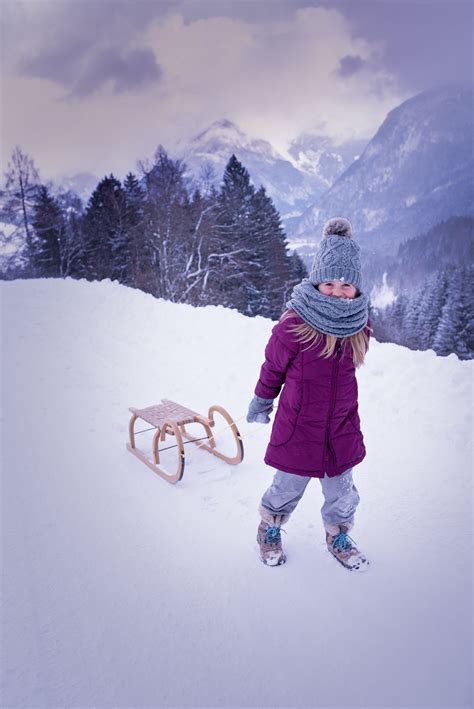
(290, 184)
(222, 130)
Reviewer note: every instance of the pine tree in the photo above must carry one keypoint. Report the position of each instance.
(105, 240)
(393, 319)
(251, 269)
(465, 337)
(287, 267)
(72, 246)
(236, 263)
(431, 305)
(449, 325)
(436, 288)
(139, 271)
(454, 333)
(297, 268)
(411, 320)
(167, 223)
(274, 278)
(73, 259)
(260, 275)
(438, 315)
(48, 232)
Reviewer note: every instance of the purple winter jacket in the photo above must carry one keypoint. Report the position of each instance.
(317, 428)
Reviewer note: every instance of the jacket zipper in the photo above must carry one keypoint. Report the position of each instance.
(334, 373)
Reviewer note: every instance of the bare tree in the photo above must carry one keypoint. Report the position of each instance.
(21, 182)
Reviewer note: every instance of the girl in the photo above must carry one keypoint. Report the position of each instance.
(314, 350)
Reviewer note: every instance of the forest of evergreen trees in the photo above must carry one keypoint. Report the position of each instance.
(203, 246)
(433, 275)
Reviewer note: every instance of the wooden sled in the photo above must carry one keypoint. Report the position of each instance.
(170, 418)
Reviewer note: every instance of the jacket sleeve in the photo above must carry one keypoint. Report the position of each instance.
(279, 352)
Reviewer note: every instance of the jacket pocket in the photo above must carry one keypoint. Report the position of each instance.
(286, 419)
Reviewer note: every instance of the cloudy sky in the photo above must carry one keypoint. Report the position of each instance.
(95, 85)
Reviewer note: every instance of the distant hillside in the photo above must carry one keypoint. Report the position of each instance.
(450, 242)
(416, 172)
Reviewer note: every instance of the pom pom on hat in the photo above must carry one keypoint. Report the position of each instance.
(338, 226)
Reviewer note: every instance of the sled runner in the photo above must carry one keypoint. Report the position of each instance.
(170, 418)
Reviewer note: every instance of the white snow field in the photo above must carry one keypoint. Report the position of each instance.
(121, 590)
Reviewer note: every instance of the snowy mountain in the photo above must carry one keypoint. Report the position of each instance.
(318, 155)
(415, 172)
(120, 590)
(292, 182)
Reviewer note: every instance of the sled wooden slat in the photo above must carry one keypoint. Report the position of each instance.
(170, 418)
(158, 414)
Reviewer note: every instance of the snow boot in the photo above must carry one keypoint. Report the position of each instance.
(269, 538)
(344, 549)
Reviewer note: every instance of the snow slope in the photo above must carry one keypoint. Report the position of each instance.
(120, 590)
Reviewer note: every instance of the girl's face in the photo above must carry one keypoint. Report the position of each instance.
(337, 289)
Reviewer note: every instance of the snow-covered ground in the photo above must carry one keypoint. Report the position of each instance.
(120, 590)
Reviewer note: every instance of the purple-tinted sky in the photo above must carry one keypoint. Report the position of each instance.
(97, 84)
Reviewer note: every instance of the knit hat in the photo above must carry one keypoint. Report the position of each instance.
(337, 257)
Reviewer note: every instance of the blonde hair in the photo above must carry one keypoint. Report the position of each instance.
(308, 335)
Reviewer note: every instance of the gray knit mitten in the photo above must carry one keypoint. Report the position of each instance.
(259, 410)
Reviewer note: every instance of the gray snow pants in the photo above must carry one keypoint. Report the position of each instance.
(340, 498)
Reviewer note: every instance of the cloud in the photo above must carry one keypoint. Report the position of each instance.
(275, 78)
(85, 73)
(349, 65)
(82, 46)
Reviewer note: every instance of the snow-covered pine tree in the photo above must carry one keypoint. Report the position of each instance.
(167, 223)
(119, 238)
(73, 260)
(410, 334)
(438, 315)
(48, 233)
(298, 271)
(274, 279)
(235, 263)
(394, 317)
(139, 269)
(445, 338)
(260, 273)
(432, 301)
(436, 289)
(105, 239)
(72, 247)
(465, 339)
(454, 331)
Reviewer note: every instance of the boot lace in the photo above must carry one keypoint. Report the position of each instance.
(273, 535)
(343, 542)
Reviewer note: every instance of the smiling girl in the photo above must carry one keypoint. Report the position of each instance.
(311, 358)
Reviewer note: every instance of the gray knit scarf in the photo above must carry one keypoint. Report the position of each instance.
(341, 317)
